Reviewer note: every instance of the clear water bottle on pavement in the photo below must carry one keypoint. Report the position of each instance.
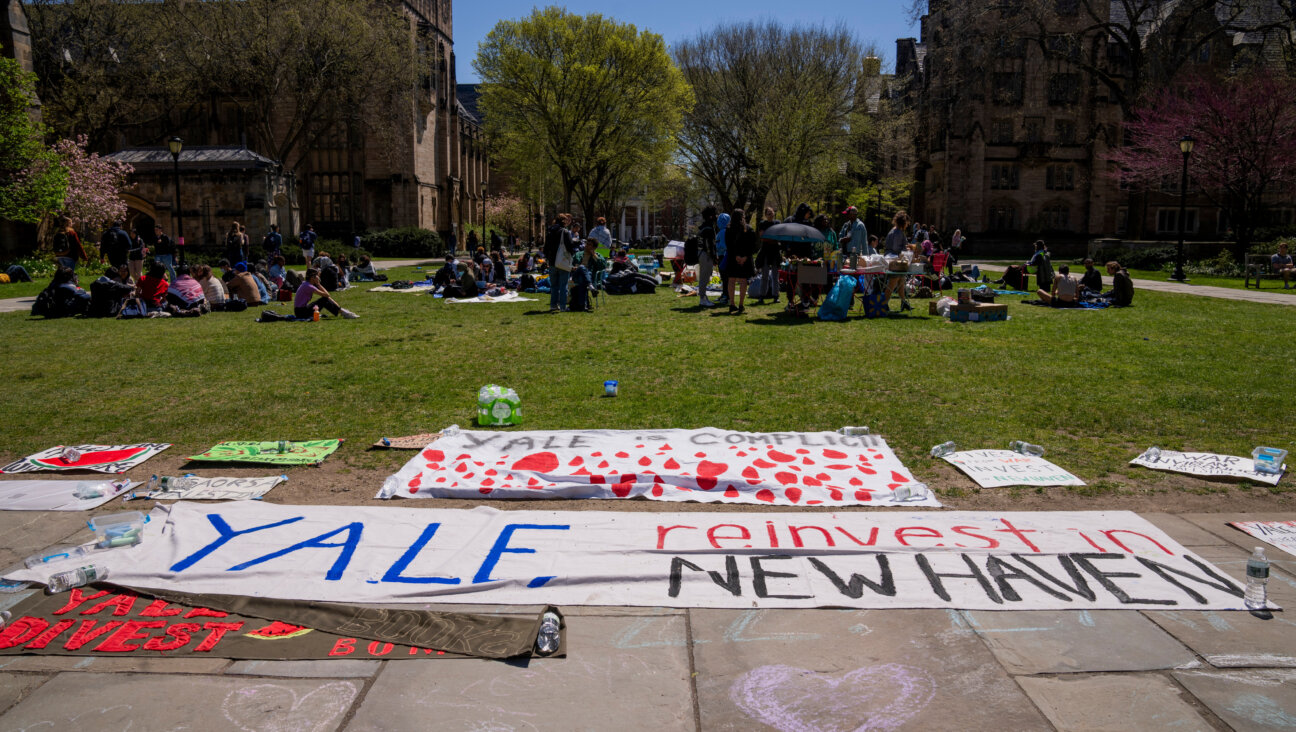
(1257, 577)
(1025, 448)
(910, 492)
(943, 449)
(79, 577)
(550, 634)
(55, 554)
(86, 490)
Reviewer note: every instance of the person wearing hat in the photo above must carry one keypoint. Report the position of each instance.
(854, 236)
(244, 285)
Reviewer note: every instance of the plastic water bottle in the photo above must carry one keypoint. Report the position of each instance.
(1257, 577)
(283, 446)
(315, 315)
(853, 431)
(79, 577)
(943, 449)
(55, 554)
(550, 633)
(86, 490)
(4, 618)
(1025, 448)
(389, 488)
(1153, 453)
(910, 492)
(70, 455)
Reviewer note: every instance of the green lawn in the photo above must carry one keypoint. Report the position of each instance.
(1234, 283)
(1094, 388)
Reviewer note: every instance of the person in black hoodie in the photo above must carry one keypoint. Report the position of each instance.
(740, 259)
(107, 295)
(62, 298)
(558, 238)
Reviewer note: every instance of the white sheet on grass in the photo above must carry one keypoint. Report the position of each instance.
(709, 465)
(56, 495)
(896, 559)
(487, 299)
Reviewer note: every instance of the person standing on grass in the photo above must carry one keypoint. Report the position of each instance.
(311, 287)
(115, 246)
(741, 260)
(559, 250)
(706, 254)
(1043, 264)
(306, 240)
(68, 249)
(769, 257)
(854, 235)
(164, 251)
(1281, 264)
(272, 242)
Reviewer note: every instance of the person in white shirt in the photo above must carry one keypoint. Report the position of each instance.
(1066, 290)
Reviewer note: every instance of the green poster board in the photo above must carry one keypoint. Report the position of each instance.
(310, 452)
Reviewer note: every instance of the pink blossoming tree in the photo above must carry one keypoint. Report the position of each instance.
(1244, 131)
(94, 183)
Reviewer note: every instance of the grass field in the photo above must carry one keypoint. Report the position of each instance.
(1095, 388)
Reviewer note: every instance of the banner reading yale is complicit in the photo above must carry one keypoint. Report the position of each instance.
(974, 560)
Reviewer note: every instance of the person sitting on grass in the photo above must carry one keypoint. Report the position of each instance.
(1281, 264)
(343, 272)
(186, 292)
(449, 273)
(107, 294)
(278, 267)
(312, 287)
(1066, 290)
(152, 287)
(364, 271)
(62, 298)
(1091, 280)
(244, 286)
(497, 267)
(1121, 294)
(213, 288)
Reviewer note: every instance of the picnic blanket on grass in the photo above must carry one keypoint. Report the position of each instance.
(487, 299)
(310, 452)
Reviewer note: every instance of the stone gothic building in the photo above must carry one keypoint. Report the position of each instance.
(350, 182)
(1018, 149)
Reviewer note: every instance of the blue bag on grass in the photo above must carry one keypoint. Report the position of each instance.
(839, 300)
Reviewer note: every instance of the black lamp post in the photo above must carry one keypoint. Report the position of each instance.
(878, 230)
(175, 144)
(484, 214)
(1186, 147)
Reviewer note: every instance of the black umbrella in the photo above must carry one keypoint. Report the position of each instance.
(795, 233)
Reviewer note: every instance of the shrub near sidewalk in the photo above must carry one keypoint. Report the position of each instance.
(407, 242)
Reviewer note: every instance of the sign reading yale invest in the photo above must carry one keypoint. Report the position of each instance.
(976, 560)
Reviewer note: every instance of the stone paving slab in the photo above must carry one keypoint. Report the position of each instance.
(114, 664)
(328, 669)
(1113, 703)
(602, 684)
(1217, 524)
(14, 687)
(144, 702)
(1237, 638)
(27, 532)
(17, 304)
(1071, 641)
(1183, 531)
(846, 670)
(1259, 699)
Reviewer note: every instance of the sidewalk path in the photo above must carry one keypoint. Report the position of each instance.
(640, 668)
(1270, 297)
(24, 304)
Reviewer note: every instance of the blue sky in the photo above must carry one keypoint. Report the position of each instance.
(877, 21)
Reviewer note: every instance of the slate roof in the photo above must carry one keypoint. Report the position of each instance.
(196, 157)
(468, 94)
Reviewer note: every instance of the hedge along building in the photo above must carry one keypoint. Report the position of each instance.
(432, 175)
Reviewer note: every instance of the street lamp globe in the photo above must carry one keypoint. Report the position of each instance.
(1186, 144)
(174, 145)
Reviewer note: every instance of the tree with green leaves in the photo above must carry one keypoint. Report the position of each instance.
(774, 105)
(584, 95)
(32, 183)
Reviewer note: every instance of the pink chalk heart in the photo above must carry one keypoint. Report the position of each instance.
(882, 697)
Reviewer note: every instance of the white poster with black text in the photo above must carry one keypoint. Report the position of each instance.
(892, 559)
(995, 468)
(1205, 465)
